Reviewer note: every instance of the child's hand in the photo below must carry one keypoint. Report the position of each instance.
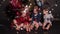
(17, 28)
(30, 19)
(40, 24)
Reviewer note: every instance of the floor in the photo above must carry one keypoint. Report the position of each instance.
(55, 29)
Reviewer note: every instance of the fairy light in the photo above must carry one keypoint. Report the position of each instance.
(25, 10)
(30, 4)
(26, 5)
(52, 9)
(49, 11)
(56, 5)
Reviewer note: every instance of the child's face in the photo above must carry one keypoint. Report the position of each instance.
(45, 11)
(23, 13)
(35, 9)
(27, 9)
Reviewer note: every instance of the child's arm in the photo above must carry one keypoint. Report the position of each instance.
(15, 22)
(30, 19)
(40, 23)
(51, 15)
(17, 26)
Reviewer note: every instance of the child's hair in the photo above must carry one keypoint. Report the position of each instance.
(46, 9)
(36, 7)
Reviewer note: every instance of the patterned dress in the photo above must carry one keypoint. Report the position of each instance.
(47, 18)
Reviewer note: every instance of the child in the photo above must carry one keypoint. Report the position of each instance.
(22, 21)
(36, 18)
(47, 19)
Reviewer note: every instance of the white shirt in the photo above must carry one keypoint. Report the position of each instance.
(47, 17)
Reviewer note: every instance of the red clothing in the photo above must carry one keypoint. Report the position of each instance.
(24, 20)
(20, 20)
(16, 4)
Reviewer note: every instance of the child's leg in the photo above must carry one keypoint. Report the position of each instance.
(44, 24)
(27, 27)
(32, 26)
(21, 25)
(36, 25)
(48, 26)
(18, 27)
(40, 24)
